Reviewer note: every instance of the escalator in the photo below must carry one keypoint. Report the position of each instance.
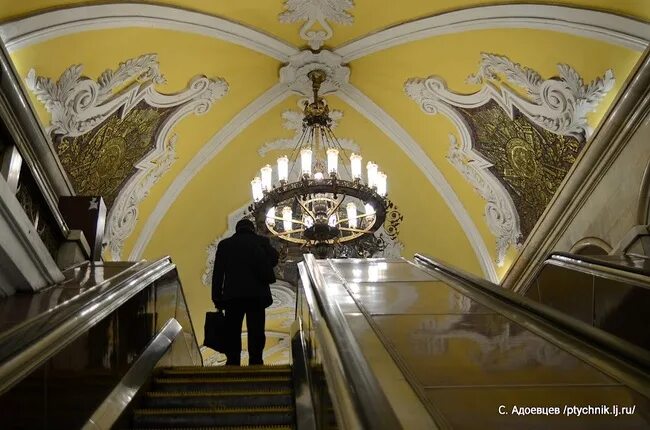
(376, 344)
(611, 293)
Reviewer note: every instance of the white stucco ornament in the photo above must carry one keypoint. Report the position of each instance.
(559, 105)
(78, 104)
(294, 73)
(317, 13)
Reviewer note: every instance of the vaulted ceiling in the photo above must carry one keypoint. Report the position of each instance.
(193, 107)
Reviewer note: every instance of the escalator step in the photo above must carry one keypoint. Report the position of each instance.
(219, 384)
(224, 372)
(218, 399)
(253, 368)
(262, 427)
(214, 417)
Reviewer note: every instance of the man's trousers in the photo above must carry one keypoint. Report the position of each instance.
(255, 319)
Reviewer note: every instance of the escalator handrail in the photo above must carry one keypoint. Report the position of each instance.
(370, 403)
(601, 268)
(81, 316)
(619, 347)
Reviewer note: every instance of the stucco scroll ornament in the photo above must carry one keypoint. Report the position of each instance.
(78, 104)
(559, 105)
(500, 214)
(317, 12)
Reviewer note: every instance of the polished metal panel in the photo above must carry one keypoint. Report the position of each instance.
(595, 346)
(480, 350)
(27, 346)
(622, 309)
(22, 309)
(304, 401)
(10, 168)
(598, 292)
(433, 297)
(378, 270)
(354, 390)
(570, 292)
(492, 408)
(107, 414)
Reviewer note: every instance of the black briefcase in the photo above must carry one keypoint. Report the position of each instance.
(215, 331)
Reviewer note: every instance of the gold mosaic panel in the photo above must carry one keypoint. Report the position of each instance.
(101, 161)
(529, 161)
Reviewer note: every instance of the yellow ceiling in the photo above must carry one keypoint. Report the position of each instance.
(199, 214)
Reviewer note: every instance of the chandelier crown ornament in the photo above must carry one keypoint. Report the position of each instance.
(320, 201)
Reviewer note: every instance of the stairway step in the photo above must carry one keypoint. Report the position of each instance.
(262, 427)
(218, 399)
(214, 417)
(219, 384)
(226, 371)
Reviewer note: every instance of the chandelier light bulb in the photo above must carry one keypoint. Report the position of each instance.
(381, 183)
(369, 209)
(287, 218)
(355, 165)
(308, 221)
(267, 178)
(351, 210)
(270, 216)
(372, 174)
(332, 161)
(283, 169)
(256, 185)
(333, 220)
(305, 161)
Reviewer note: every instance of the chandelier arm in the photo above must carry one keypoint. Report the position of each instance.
(309, 212)
(354, 230)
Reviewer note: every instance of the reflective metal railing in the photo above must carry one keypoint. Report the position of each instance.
(611, 293)
(61, 364)
(336, 369)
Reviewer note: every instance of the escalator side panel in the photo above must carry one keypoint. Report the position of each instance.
(466, 359)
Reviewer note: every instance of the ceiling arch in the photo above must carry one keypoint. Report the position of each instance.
(369, 47)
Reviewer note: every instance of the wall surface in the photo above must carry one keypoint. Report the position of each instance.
(611, 210)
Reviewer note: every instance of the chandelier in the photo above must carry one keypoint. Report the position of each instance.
(317, 198)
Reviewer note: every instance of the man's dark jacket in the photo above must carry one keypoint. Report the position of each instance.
(243, 268)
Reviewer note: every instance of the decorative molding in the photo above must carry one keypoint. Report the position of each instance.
(607, 27)
(293, 121)
(294, 74)
(500, 212)
(123, 216)
(79, 104)
(317, 13)
(220, 140)
(384, 122)
(558, 105)
(45, 26)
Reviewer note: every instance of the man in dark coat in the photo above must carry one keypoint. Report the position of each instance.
(243, 270)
